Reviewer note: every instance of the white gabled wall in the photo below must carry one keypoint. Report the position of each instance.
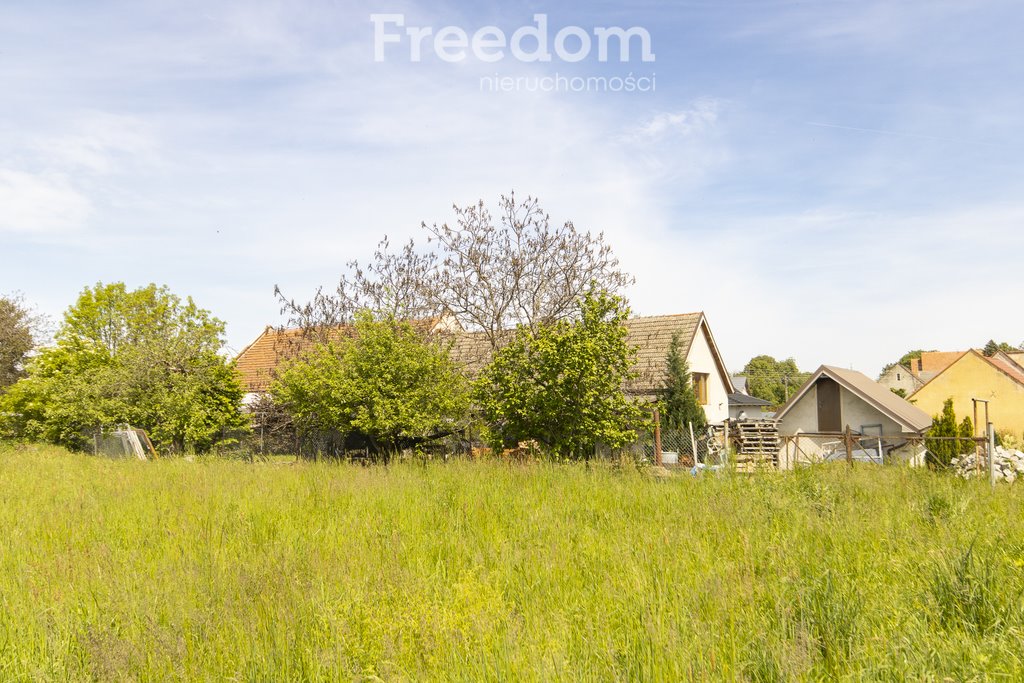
(702, 359)
(854, 411)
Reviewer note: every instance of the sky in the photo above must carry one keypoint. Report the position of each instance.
(830, 180)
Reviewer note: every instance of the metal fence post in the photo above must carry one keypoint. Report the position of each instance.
(991, 455)
(693, 443)
(725, 442)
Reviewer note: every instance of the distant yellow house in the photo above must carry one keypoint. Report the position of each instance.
(998, 380)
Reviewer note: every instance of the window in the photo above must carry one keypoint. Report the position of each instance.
(700, 387)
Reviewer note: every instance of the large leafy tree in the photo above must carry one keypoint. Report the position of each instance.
(142, 357)
(679, 401)
(773, 380)
(561, 383)
(22, 329)
(386, 382)
(19, 330)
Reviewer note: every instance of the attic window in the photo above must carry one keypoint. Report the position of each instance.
(700, 387)
(898, 377)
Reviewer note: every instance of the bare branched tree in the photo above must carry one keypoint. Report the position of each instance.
(524, 270)
(395, 284)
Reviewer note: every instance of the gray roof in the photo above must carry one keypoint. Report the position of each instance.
(910, 416)
(741, 399)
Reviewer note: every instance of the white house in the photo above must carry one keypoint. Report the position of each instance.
(653, 335)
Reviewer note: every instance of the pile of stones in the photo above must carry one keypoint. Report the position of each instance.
(1009, 465)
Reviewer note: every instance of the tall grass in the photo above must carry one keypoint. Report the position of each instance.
(219, 570)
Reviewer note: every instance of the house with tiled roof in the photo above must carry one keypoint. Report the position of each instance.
(971, 375)
(258, 362)
(651, 335)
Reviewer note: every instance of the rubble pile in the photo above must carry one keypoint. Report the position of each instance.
(1009, 464)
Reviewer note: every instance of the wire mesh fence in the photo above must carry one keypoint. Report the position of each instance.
(678, 448)
(757, 445)
(940, 452)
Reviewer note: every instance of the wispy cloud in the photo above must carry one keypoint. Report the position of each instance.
(40, 205)
(697, 119)
(99, 142)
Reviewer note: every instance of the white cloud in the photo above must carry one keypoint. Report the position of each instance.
(700, 117)
(98, 142)
(40, 204)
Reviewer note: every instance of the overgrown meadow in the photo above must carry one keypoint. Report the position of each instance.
(220, 570)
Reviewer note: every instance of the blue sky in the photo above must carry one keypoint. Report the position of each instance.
(835, 181)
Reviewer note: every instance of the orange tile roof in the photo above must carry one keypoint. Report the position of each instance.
(1008, 367)
(258, 362)
(936, 361)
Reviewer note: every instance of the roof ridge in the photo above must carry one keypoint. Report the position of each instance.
(666, 315)
(1010, 372)
(866, 393)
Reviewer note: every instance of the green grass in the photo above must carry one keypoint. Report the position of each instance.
(215, 570)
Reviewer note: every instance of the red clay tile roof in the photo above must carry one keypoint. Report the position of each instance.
(258, 362)
(935, 361)
(1008, 367)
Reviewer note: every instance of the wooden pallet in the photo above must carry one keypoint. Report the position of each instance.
(757, 443)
